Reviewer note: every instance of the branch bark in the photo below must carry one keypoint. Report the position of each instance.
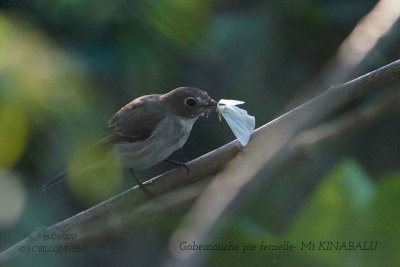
(261, 158)
(109, 216)
(350, 56)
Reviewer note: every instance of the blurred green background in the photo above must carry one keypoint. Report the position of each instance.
(66, 66)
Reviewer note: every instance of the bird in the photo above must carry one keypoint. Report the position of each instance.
(147, 130)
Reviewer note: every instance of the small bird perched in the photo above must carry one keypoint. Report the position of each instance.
(150, 128)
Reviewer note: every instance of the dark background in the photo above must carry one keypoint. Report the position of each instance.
(67, 66)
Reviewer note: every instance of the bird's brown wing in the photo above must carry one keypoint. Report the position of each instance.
(135, 121)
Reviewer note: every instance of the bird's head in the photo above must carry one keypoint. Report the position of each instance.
(189, 102)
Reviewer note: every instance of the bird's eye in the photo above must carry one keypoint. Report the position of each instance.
(191, 102)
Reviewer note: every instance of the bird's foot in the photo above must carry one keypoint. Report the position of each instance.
(145, 190)
(178, 164)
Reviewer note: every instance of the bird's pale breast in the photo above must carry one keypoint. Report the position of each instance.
(169, 135)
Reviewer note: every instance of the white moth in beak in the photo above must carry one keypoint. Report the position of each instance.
(241, 123)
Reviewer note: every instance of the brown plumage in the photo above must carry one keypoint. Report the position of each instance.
(150, 128)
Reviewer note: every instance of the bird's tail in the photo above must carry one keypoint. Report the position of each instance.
(94, 157)
(53, 181)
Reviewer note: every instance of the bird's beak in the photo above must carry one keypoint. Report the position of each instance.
(211, 106)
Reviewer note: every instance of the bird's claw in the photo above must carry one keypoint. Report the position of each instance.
(179, 164)
(145, 190)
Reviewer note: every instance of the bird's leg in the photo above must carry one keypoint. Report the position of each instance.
(178, 164)
(141, 185)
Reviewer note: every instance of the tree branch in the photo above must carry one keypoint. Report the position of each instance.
(262, 157)
(347, 61)
(112, 214)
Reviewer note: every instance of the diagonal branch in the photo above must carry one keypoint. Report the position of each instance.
(115, 213)
(355, 49)
(262, 157)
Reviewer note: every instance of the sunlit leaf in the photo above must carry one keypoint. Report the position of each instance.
(181, 21)
(94, 175)
(13, 134)
(335, 213)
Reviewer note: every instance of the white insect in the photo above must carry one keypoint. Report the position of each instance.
(241, 123)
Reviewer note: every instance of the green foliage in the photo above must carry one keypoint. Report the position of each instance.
(36, 79)
(94, 175)
(338, 211)
(346, 207)
(180, 21)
